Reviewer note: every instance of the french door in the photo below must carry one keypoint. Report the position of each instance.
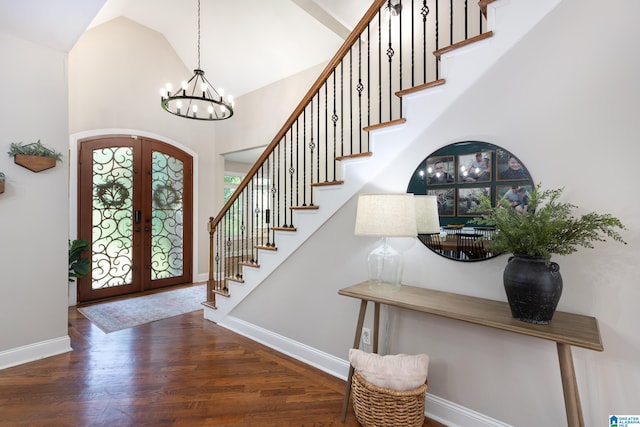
(135, 208)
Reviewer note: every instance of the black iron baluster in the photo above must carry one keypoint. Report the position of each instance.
(217, 241)
(466, 19)
(317, 139)
(437, 37)
(312, 146)
(304, 156)
(424, 11)
(277, 170)
(326, 130)
(390, 52)
(240, 220)
(398, 100)
(297, 164)
(368, 77)
(255, 239)
(411, 31)
(266, 206)
(334, 119)
(450, 22)
(341, 108)
(283, 143)
(380, 65)
(259, 205)
(351, 99)
(291, 169)
(229, 255)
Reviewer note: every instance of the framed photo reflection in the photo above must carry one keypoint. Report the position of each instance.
(469, 197)
(510, 167)
(441, 170)
(446, 200)
(475, 167)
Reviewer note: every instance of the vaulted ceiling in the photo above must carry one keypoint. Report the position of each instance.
(245, 44)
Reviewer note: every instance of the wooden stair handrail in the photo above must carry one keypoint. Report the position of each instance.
(320, 81)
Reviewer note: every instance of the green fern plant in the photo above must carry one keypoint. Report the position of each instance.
(548, 226)
(34, 149)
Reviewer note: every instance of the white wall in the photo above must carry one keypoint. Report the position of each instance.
(566, 101)
(33, 208)
(259, 115)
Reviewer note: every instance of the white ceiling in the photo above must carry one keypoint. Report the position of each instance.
(245, 44)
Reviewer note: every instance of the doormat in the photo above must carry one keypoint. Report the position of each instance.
(117, 315)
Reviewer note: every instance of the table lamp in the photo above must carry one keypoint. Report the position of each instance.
(427, 217)
(385, 215)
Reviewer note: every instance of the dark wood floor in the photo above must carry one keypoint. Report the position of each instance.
(181, 371)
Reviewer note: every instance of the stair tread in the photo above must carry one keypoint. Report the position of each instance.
(266, 248)
(385, 124)
(307, 207)
(418, 88)
(438, 53)
(284, 228)
(326, 183)
(355, 155)
(249, 264)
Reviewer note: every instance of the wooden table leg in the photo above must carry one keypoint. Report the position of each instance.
(356, 344)
(570, 387)
(376, 326)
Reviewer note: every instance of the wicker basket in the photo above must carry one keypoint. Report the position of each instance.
(384, 407)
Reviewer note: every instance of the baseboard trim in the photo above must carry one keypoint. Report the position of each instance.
(441, 410)
(36, 351)
(454, 415)
(302, 352)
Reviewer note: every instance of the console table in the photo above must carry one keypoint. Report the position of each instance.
(566, 329)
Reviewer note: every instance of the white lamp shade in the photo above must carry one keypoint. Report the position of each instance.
(427, 218)
(386, 215)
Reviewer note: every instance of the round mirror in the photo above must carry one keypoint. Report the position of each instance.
(457, 175)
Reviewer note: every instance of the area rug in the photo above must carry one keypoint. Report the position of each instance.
(117, 315)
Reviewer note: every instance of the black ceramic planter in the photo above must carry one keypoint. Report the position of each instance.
(533, 288)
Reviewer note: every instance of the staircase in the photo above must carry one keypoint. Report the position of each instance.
(378, 93)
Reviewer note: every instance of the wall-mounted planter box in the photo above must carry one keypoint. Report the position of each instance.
(35, 163)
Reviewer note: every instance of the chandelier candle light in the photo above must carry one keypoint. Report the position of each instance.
(385, 215)
(197, 98)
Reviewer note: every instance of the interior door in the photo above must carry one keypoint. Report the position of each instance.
(135, 208)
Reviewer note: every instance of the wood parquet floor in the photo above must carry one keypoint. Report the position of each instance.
(181, 371)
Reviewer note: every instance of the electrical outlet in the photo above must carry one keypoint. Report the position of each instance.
(366, 336)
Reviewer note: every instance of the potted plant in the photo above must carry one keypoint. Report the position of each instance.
(541, 226)
(78, 267)
(36, 156)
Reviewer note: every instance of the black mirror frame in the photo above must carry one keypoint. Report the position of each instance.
(496, 173)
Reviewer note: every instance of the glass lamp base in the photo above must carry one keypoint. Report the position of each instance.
(384, 266)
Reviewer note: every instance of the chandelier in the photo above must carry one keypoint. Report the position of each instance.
(197, 98)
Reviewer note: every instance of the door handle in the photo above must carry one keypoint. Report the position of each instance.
(136, 217)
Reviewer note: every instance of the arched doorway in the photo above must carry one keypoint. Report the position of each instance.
(135, 203)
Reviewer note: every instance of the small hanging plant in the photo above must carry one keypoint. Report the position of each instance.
(33, 149)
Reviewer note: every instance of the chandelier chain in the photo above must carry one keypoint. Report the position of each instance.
(199, 34)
